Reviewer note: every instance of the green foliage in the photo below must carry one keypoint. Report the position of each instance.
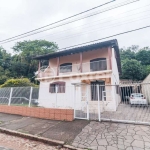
(132, 69)
(143, 56)
(36, 47)
(17, 83)
(135, 62)
(21, 65)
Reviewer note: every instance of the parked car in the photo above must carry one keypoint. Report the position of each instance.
(35, 102)
(138, 99)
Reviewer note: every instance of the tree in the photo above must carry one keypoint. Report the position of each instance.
(127, 53)
(143, 56)
(33, 48)
(147, 69)
(132, 69)
(25, 51)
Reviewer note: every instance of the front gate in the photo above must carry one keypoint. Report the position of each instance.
(132, 102)
(81, 110)
(85, 107)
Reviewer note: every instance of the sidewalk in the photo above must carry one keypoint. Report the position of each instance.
(56, 130)
(82, 133)
(113, 136)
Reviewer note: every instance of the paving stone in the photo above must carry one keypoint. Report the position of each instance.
(93, 147)
(146, 139)
(128, 137)
(115, 145)
(137, 148)
(141, 133)
(121, 146)
(145, 128)
(137, 128)
(101, 148)
(131, 131)
(138, 137)
(127, 144)
(102, 142)
(94, 143)
(147, 144)
(139, 144)
(129, 148)
(111, 148)
(128, 141)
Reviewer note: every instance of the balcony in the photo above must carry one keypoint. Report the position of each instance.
(68, 69)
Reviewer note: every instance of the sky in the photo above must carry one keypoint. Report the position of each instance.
(20, 16)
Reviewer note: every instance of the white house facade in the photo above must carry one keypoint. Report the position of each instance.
(73, 76)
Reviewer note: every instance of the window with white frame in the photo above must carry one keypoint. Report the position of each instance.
(57, 87)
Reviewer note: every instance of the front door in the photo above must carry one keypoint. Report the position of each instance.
(94, 92)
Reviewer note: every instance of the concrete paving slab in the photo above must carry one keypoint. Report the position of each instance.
(20, 123)
(39, 128)
(52, 129)
(8, 117)
(65, 131)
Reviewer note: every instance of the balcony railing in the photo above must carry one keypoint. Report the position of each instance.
(74, 68)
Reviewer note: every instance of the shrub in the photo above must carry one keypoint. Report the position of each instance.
(18, 83)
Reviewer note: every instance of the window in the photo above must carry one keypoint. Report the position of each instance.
(57, 87)
(98, 64)
(67, 67)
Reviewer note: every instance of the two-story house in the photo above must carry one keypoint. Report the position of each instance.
(70, 70)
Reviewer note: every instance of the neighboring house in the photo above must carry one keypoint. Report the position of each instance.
(69, 71)
(146, 88)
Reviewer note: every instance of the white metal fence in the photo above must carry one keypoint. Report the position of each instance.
(96, 101)
(25, 96)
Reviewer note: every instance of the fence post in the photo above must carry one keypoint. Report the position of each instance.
(99, 112)
(74, 100)
(87, 100)
(56, 96)
(30, 98)
(11, 89)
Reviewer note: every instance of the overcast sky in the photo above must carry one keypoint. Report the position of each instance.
(19, 16)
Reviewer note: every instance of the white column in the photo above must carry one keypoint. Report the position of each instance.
(99, 111)
(30, 98)
(11, 89)
(87, 101)
(74, 100)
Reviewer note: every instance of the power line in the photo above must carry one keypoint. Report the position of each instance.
(121, 33)
(106, 27)
(114, 25)
(60, 20)
(107, 37)
(68, 22)
(100, 20)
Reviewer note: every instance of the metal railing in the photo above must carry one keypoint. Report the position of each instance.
(100, 65)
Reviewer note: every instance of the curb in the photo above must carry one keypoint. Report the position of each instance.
(126, 122)
(72, 148)
(32, 137)
(36, 138)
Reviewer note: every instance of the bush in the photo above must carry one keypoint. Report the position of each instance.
(18, 83)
